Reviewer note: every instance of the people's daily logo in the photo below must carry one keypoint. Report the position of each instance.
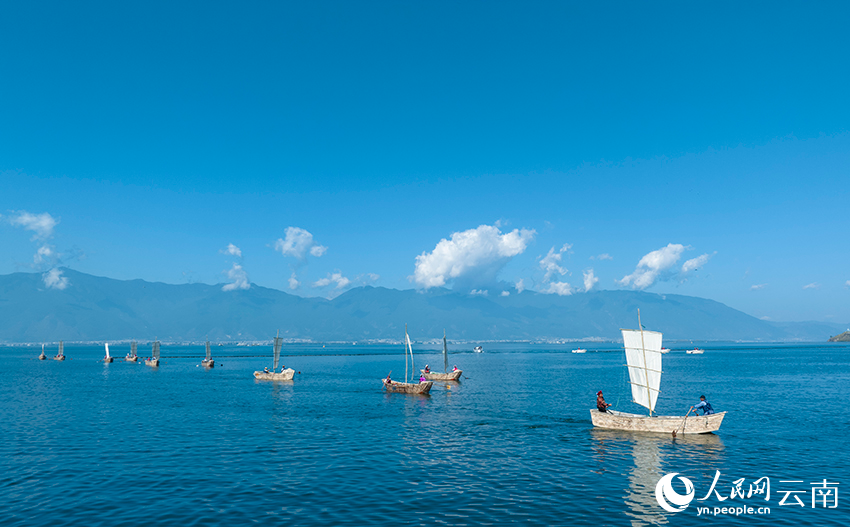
(668, 498)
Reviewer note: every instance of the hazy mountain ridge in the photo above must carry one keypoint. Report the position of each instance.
(97, 308)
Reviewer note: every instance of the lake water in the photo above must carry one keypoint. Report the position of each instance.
(87, 443)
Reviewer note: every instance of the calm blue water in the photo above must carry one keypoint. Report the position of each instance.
(86, 443)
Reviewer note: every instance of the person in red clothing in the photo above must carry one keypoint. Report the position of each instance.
(601, 405)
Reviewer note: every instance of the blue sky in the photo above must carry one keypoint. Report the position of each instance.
(156, 135)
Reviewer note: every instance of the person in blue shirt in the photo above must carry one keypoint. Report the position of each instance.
(706, 407)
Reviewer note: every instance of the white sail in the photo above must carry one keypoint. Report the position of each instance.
(155, 351)
(208, 351)
(133, 348)
(107, 349)
(278, 343)
(61, 348)
(410, 348)
(643, 355)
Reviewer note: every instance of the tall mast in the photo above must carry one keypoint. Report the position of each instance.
(445, 354)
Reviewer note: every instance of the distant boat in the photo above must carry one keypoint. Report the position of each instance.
(447, 375)
(61, 354)
(478, 349)
(107, 358)
(208, 362)
(695, 351)
(665, 350)
(286, 374)
(579, 350)
(422, 387)
(643, 358)
(132, 356)
(42, 356)
(154, 360)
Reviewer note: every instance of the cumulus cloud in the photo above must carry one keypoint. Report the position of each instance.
(239, 278)
(652, 265)
(479, 292)
(297, 243)
(54, 279)
(589, 279)
(813, 285)
(335, 278)
(471, 256)
(550, 262)
(505, 293)
(757, 287)
(46, 254)
(41, 224)
(293, 282)
(232, 250)
(695, 263)
(559, 288)
(603, 256)
(520, 286)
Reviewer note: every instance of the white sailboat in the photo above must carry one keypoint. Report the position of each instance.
(107, 358)
(132, 356)
(42, 356)
(695, 351)
(643, 358)
(579, 350)
(446, 375)
(422, 387)
(208, 362)
(61, 354)
(286, 374)
(154, 360)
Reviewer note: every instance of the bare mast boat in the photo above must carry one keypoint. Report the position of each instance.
(422, 387)
(208, 362)
(447, 375)
(154, 360)
(286, 374)
(42, 356)
(107, 358)
(132, 356)
(643, 358)
(61, 354)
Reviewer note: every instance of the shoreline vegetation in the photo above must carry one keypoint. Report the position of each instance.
(844, 337)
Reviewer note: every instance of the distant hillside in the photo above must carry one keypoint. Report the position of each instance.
(844, 337)
(96, 308)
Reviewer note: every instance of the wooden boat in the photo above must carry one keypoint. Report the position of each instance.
(446, 375)
(285, 374)
(107, 359)
(478, 349)
(42, 356)
(154, 360)
(643, 360)
(132, 356)
(579, 350)
(421, 388)
(61, 354)
(695, 351)
(208, 362)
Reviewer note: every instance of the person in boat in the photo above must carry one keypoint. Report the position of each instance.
(455, 368)
(266, 369)
(427, 369)
(282, 369)
(388, 380)
(601, 405)
(421, 378)
(706, 407)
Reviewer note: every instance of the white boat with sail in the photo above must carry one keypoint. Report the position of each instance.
(446, 375)
(61, 354)
(42, 356)
(421, 388)
(695, 351)
(478, 349)
(643, 358)
(107, 359)
(285, 374)
(579, 350)
(154, 360)
(132, 356)
(208, 362)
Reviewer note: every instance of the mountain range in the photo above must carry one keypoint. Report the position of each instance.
(93, 308)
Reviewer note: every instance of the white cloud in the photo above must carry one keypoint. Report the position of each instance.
(479, 292)
(335, 278)
(695, 263)
(756, 287)
(652, 265)
(41, 224)
(603, 256)
(520, 286)
(53, 279)
(298, 243)
(239, 277)
(559, 288)
(45, 253)
(371, 277)
(549, 263)
(847, 283)
(474, 255)
(813, 285)
(506, 293)
(589, 280)
(232, 250)
(765, 318)
(293, 281)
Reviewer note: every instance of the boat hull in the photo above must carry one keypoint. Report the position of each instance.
(662, 424)
(59, 357)
(208, 363)
(285, 375)
(451, 376)
(131, 359)
(152, 362)
(421, 388)
(42, 357)
(107, 359)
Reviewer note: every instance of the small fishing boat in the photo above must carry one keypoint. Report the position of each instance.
(478, 349)
(643, 360)
(665, 350)
(421, 388)
(285, 374)
(132, 356)
(61, 354)
(695, 351)
(208, 362)
(446, 375)
(154, 360)
(107, 358)
(42, 356)
(579, 350)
